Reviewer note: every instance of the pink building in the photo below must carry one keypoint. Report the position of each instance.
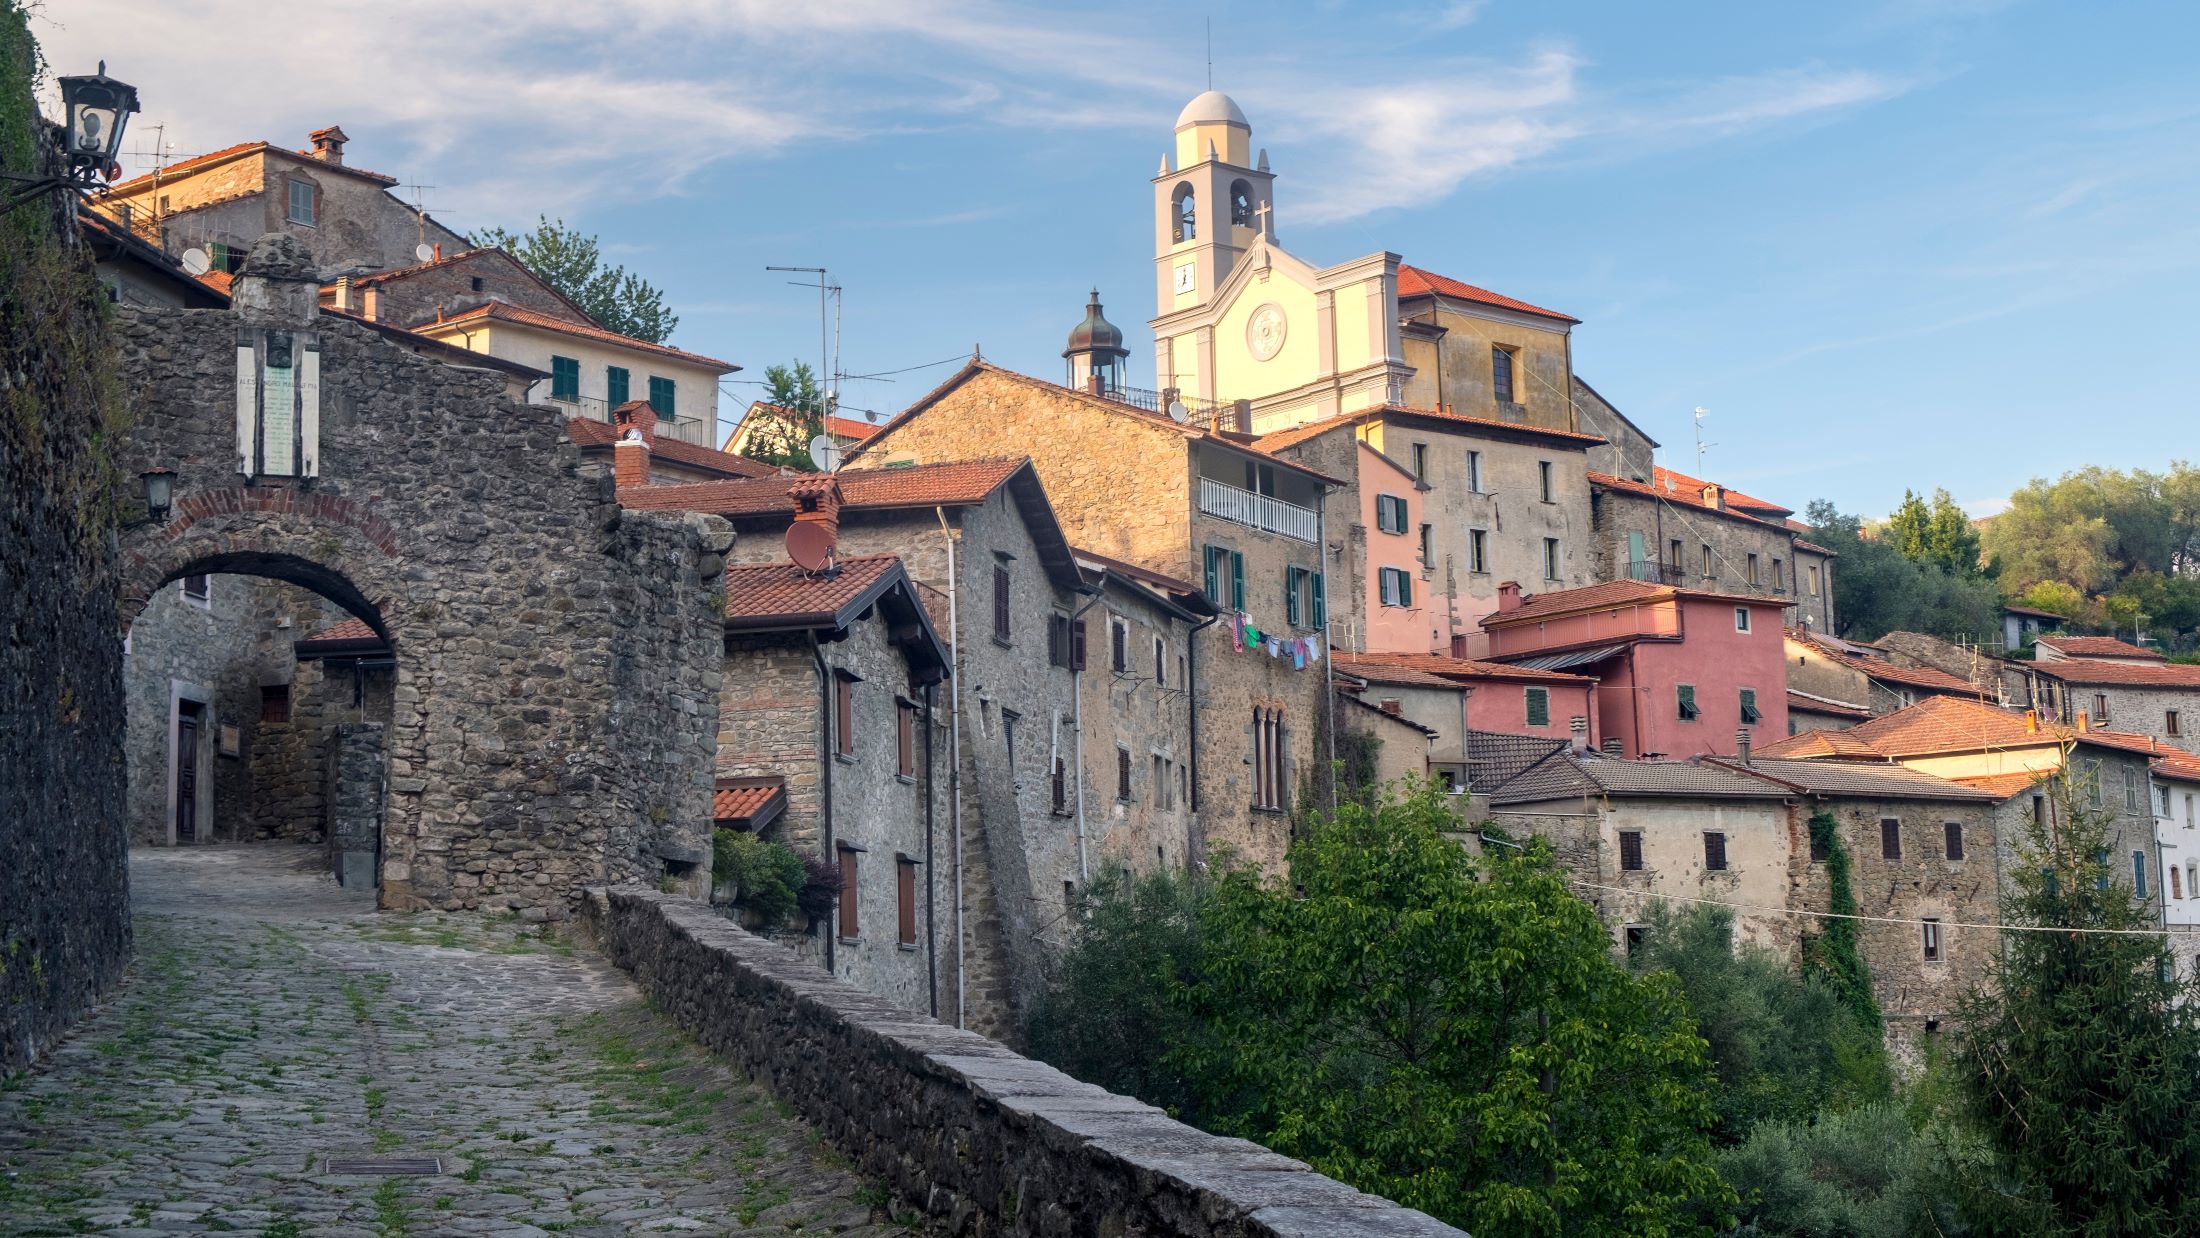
(1455, 695)
(1398, 601)
(1680, 672)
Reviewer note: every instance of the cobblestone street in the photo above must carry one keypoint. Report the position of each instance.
(273, 1020)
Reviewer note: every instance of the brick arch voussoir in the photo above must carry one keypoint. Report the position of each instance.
(337, 547)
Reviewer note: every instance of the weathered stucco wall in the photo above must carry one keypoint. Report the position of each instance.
(983, 1140)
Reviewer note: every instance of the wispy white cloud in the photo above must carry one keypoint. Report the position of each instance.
(1457, 13)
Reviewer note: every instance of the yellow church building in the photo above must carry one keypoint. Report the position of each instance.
(1241, 319)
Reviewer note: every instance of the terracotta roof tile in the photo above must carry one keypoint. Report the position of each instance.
(1688, 492)
(1611, 593)
(1569, 775)
(1159, 421)
(2100, 647)
(195, 162)
(349, 629)
(2177, 763)
(2002, 786)
(1440, 666)
(1950, 724)
(1810, 703)
(2108, 672)
(589, 432)
(953, 484)
(1877, 780)
(757, 592)
(505, 311)
(1415, 282)
(747, 799)
(1822, 743)
(1278, 440)
(1841, 654)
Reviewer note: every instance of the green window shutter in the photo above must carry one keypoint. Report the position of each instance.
(1291, 596)
(614, 383)
(1687, 701)
(1749, 705)
(1214, 584)
(1237, 580)
(565, 378)
(660, 395)
(1405, 589)
(1321, 604)
(1539, 707)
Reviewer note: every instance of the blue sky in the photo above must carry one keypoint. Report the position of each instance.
(1887, 245)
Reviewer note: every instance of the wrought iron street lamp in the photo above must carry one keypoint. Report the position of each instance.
(96, 108)
(160, 492)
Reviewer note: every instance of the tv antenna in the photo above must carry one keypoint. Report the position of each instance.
(1701, 446)
(1210, 52)
(828, 330)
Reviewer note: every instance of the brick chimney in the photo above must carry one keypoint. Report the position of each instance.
(1741, 745)
(817, 501)
(630, 460)
(328, 145)
(636, 415)
(1508, 596)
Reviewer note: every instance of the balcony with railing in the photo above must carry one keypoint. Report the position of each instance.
(1657, 573)
(686, 429)
(1259, 511)
(1217, 416)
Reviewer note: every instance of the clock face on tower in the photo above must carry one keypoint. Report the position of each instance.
(1184, 278)
(1264, 331)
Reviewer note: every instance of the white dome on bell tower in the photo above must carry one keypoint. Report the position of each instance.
(1212, 107)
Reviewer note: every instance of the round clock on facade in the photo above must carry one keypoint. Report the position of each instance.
(1264, 331)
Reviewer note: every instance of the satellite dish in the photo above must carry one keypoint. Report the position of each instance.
(810, 545)
(824, 453)
(1178, 413)
(195, 261)
(424, 251)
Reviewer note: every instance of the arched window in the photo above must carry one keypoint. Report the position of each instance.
(1241, 204)
(1186, 214)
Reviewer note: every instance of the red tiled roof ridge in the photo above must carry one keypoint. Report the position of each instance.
(212, 157)
(1682, 481)
(527, 317)
(1415, 281)
(2100, 647)
(1693, 500)
(1445, 664)
(2126, 672)
(1613, 593)
(590, 432)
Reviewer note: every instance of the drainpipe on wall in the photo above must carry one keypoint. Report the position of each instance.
(1077, 725)
(954, 759)
(931, 930)
(825, 784)
(1329, 650)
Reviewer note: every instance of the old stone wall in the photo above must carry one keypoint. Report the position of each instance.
(984, 1141)
(351, 796)
(1143, 709)
(1965, 662)
(1922, 882)
(64, 883)
(768, 727)
(1747, 555)
(452, 287)
(557, 660)
(1626, 451)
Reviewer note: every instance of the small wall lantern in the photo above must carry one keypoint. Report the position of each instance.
(160, 491)
(96, 108)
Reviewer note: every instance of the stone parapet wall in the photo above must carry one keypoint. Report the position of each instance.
(984, 1140)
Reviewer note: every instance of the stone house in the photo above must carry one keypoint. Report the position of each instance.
(135, 272)
(997, 574)
(1130, 650)
(1675, 529)
(1190, 503)
(2156, 698)
(829, 706)
(1635, 832)
(2013, 755)
(1626, 452)
(2056, 647)
(1839, 670)
(2022, 625)
(1490, 501)
(221, 202)
(1680, 672)
(1399, 746)
(483, 300)
(1922, 852)
(1992, 675)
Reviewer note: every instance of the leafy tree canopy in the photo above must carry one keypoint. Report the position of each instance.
(1878, 589)
(783, 438)
(569, 261)
(1448, 1032)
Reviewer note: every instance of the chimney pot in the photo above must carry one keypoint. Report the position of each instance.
(1508, 596)
(1741, 745)
(328, 144)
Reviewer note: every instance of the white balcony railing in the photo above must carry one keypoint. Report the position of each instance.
(687, 429)
(1259, 511)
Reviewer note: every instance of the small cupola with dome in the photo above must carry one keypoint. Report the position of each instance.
(1096, 353)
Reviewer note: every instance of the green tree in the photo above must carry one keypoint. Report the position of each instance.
(1449, 1032)
(1832, 954)
(571, 262)
(2080, 1057)
(2094, 526)
(1877, 589)
(1950, 539)
(783, 436)
(1910, 529)
(1783, 1046)
(2054, 597)
(1864, 1173)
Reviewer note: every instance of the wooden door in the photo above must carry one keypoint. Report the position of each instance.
(187, 779)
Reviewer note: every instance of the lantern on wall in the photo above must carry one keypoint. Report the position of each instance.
(160, 493)
(95, 110)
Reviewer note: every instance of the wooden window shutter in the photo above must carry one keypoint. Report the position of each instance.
(1630, 851)
(905, 898)
(1122, 773)
(1000, 602)
(1119, 653)
(1058, 640)
(1214, 578)
(844, 716)
(1321, 602)
(906, 741)
(1539, 706)
(1077, 645)
(851, 923)
(1954, 830)
(1237, 580)
(1061, 786)
(1890, 838)
(1291, 596)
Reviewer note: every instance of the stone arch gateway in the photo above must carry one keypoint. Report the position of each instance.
(557, 658)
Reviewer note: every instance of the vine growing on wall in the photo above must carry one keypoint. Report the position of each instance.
(1833, 954)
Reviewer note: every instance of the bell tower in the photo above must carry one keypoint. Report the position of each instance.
(1096, 353)
(1211, 200)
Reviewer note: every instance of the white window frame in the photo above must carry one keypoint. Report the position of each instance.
(1741, 619)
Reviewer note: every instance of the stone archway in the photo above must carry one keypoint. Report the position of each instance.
(558, 658)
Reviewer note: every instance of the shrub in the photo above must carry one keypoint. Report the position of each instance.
(768, 878)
